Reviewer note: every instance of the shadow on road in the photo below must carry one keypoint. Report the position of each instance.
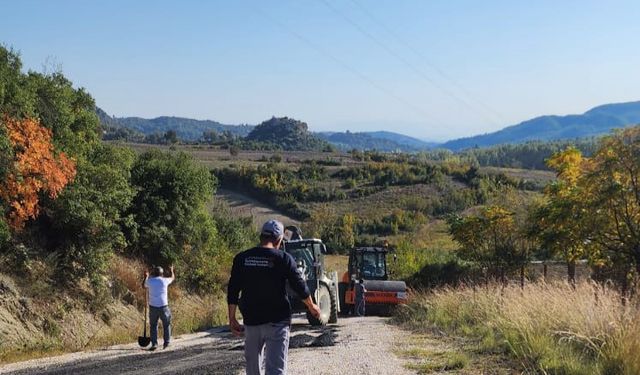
(197, 360)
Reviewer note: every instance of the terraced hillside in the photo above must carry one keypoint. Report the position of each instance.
(351, 198)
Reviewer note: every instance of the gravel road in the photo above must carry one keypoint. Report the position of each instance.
(243, 205)
(353, 346)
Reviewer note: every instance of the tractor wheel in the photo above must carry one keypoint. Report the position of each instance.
(333, 317)
(324, 302)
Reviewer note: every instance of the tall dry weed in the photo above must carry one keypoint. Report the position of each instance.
(127, 275)
(550, 328)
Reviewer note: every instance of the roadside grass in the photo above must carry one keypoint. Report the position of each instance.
(189, 314)
(27, 352)
(426, 361)
(547, 328)
(430, 352)
(437, 366)
(70, 328)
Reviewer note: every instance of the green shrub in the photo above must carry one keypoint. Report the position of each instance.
(85, 220)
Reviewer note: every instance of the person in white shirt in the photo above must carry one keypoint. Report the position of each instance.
(159, 304)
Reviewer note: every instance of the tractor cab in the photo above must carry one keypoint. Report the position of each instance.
(309, 256)
(308, 253)
(369, 263)
(369, 266)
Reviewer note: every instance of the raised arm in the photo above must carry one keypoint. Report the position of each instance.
(173, 274)
(144, 280)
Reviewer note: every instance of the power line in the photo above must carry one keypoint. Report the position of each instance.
(440, 72)
(402, 59)
(346, 66)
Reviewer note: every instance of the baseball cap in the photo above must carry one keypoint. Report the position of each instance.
(273, 228)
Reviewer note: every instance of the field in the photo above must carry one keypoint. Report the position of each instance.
(336, 263)
(340, 196)
(214, 157)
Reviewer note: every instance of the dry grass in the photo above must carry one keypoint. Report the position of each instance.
(71, 326)
(127, 276)
(191, 312)
(430, 352)
(553, 329)
(336, 263)
(426, 361)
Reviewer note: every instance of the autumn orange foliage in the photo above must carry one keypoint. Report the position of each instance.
(36, 169)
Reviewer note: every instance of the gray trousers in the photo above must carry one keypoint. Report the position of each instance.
(266, 347)
(360, 308)
(164, 314)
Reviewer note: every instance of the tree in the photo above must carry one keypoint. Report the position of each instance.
(6, 157)
(613, 183)
(234, 150)
(87, 223)
(210, 136)
(6, 153)
(69, 113)
(561, 222)
(171, 137)
(347, 236)
(492, 238)
(36, 169)
(169, 210)
(594, 207)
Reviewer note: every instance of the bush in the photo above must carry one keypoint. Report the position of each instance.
(172, 220)
(85, 220)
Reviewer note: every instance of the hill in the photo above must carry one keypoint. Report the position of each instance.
(361, 141)
(185, 128)
(380, 140)
(287, 134)
(597, 121)
(403, 140)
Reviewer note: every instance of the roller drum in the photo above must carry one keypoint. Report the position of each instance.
(385, 286)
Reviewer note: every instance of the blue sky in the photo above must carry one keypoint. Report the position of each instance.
(431, 69)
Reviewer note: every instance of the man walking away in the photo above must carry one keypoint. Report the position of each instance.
(159, 304)
(258, 279)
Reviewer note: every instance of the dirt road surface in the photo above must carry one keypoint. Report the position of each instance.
(243, 205)
(353, 346)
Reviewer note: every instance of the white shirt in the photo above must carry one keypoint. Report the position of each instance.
(158, 296)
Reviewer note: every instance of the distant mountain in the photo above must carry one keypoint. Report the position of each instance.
(597, 121)
(361, 141)
(286, 134)
(403, 140)
(381, 141)
(186, 128)
(112, 130)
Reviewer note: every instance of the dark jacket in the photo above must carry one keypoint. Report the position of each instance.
(258, 285)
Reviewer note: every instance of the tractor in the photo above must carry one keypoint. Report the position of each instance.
(309, 257)
(370, 265)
